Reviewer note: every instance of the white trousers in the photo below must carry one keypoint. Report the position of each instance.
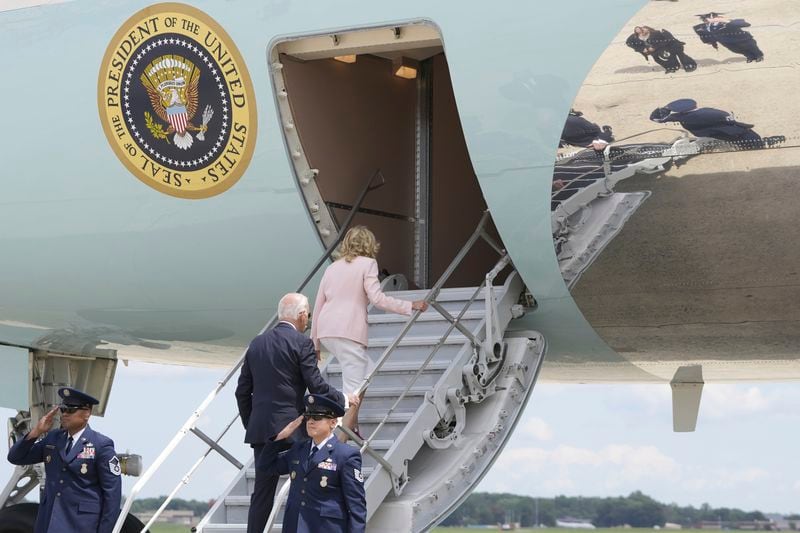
(352, 356)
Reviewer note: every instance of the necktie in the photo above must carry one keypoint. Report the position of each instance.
(310, 455)
(69, 446)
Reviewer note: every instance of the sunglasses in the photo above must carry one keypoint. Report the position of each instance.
(69, 409)
(317, 418)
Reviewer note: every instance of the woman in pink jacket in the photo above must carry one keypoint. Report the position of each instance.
(340, 310)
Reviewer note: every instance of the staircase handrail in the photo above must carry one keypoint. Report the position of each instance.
(430, 298)
(455, 322)
(189, 425)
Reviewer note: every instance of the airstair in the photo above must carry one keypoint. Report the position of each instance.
(448, 388)
(587, 212)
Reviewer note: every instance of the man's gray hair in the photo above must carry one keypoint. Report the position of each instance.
(291, 305)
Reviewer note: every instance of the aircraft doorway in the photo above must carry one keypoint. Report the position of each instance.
(353, 103)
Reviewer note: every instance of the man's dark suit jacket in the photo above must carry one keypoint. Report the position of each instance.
(279, 366)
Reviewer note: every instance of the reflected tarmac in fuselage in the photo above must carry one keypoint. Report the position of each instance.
(702, 261)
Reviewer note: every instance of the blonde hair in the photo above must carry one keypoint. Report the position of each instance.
(359, 241)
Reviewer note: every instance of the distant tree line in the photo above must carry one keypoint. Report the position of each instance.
(636, 509)
(145, 505)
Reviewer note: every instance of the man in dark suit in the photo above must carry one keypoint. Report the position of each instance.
(327, 484)
(580, 132)
(279, 366)
(83, 489)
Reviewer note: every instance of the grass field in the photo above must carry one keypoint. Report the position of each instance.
(169, 528)
(558, 530)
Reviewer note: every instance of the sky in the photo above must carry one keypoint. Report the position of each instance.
(588, 440)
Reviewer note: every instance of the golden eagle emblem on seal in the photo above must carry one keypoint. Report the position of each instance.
(172, 84)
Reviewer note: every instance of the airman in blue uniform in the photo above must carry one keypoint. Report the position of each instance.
(708, 122)
(327, 485)
(83, 488)
(729, 33)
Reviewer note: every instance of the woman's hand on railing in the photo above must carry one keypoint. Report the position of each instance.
(419, 305)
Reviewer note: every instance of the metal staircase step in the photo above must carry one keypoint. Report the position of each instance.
(237, 500)
(446, 352)
(334, 369)
(232, 528)
(400, 439)
(380, 445)
(368, 416)
(431, 328)
(416, 340)
(455, 294)
(394, 392)
(428, 316)
(384, 397)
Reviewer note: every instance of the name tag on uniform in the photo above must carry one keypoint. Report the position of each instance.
(327, 465)
(87, 453)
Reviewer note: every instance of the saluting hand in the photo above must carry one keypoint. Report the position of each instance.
(43, 425)
(290, 428)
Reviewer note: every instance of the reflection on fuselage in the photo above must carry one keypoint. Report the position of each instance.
(678, 238)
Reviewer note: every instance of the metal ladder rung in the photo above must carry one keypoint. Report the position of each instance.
(428, 316)
(428, 340)
(366, 417)
(393, 368)
(214, 445)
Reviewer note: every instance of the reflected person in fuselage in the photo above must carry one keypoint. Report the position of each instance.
(717, 29)
(708, 122)
(578, 131)
(340, 311)
(665, 49)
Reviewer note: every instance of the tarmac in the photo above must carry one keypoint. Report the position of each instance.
(706, 269)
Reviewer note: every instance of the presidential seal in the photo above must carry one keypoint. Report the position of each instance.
(176, 102)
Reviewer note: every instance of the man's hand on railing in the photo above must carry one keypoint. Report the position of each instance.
(419, 305)
(354, 400)
(290, 428)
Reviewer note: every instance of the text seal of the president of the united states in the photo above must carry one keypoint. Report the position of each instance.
(177, 103)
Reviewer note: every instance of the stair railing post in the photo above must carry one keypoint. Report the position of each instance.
(429, 297)
(491, 327)
(276, 505)
(195, 416)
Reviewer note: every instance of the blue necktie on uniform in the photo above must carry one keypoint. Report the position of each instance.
(69, 446)
(314, 450)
